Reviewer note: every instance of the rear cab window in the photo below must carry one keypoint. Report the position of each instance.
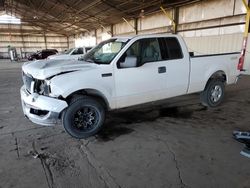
(170, 48)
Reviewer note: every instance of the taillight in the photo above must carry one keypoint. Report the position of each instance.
(241, 63)
(242, 55)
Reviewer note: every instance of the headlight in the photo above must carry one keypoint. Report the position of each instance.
(45, 88)
(42, 87)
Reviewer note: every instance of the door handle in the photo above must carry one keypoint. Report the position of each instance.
(161, 70)
(106, 74)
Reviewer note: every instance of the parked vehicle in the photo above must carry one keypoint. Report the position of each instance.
(73, 53)
(118, 73)
(42, 54)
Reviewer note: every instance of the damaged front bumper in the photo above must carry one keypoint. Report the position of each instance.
(41, 109)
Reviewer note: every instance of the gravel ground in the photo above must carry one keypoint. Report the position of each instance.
(176, 144)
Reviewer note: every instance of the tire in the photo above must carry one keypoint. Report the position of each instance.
(84, 117)
(213, 94)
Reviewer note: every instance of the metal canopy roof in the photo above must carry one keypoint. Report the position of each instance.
(69, 17)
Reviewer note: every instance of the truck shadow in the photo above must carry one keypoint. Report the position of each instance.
(116, 122)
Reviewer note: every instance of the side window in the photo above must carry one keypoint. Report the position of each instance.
(150, 50)
(80, 51)
(170, 48)
(143, 51)
(164, 49)
(75, 52)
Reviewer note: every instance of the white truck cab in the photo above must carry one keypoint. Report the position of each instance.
(118, 73)
(72, 53)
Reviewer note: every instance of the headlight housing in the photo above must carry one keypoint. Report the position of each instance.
(42, 87)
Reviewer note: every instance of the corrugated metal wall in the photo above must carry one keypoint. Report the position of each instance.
(27, 39)
(214, 44)
(224, 37)
(209, 26)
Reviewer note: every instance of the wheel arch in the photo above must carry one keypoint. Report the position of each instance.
(92, 93)
(218, 75)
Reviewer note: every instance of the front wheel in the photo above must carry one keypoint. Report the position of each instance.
(84, 117)
(213, 94)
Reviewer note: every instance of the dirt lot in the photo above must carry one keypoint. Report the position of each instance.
(177, 144)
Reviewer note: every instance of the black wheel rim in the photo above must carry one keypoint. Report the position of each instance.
(86, 119)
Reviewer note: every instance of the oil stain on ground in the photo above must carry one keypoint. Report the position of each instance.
(116, 121)
(111, 132)
(147, 115)
(176, 112)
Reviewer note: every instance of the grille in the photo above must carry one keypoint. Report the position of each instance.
(27, 82)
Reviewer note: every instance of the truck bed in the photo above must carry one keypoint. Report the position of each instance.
(203, 66)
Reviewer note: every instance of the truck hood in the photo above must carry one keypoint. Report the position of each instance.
(42, 69)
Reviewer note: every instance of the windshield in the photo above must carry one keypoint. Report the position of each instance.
(68, 51)
(104, 52)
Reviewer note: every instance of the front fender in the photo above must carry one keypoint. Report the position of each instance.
(65, 85)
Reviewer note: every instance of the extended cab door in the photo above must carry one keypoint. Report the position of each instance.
(144, 81)
(176, 58)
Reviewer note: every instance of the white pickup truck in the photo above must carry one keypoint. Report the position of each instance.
(73, 53)
(121, 72)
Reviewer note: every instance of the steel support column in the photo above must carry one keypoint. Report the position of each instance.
(176, 19)
(45, 40)
(136, 25)
(112, 30)
(95, 36)
(23, 43)
(171, 18)
(247, 17)
(245, 38)
(68, 42)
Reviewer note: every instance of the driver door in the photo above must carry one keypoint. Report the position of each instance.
(144, 82)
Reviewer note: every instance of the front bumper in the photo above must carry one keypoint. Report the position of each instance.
(40, 109)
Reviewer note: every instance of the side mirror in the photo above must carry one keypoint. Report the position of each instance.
(130, 62)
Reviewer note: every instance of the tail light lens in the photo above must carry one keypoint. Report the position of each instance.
(242, 55)
(241, 61)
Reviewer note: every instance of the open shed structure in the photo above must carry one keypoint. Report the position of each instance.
(63, 24)
(72, 17)
(159, 108)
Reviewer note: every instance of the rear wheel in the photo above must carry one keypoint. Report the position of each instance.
(213, 94)
(84, 117)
